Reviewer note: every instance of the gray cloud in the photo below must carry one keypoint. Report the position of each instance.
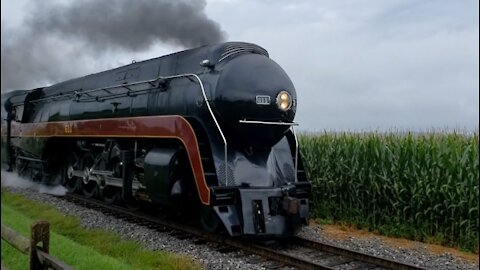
(59, 41)
(357, 65)
(362, 65)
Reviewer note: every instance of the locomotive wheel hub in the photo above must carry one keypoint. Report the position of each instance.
(70, 172)
(86, 175)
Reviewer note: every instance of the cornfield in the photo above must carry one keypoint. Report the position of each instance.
(418, 186)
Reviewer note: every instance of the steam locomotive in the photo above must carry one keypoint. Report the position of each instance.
(207, 131)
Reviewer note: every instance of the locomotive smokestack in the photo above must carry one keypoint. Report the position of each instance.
(60, 41)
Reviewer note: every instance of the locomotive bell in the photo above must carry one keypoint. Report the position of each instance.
(207, 63)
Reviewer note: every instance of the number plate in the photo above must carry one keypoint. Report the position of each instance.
(263, 100)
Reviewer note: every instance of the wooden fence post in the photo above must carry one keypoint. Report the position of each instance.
(39, 232)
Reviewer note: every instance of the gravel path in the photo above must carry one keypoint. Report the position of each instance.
(418, 255)
(211, 258)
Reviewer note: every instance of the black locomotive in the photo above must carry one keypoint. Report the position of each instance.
(206, 131)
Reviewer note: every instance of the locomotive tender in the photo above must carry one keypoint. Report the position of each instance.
(207, 131)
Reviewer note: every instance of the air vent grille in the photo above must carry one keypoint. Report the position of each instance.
(230, 176)
(237, 48)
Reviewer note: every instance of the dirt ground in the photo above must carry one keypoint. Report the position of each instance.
(341, 232)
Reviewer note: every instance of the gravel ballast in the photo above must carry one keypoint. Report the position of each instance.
(209, 257)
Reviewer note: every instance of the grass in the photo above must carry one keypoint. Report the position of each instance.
(78, 247)
(65, 249)
(418, 186)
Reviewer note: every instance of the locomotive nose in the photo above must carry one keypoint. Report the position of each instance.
(252, 89)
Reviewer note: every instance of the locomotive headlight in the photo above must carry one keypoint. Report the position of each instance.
(284, 101)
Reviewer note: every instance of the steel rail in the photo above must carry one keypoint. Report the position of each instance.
(356, 255)
(210, 237)
(248, 246)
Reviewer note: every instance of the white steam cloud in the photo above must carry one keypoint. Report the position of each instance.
(13, 180)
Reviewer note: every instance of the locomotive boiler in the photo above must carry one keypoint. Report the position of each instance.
(208, 132)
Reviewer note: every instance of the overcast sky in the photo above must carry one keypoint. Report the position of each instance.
(357, 65)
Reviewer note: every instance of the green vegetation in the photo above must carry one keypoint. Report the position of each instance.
(80, 248)
(67, 250)
(418, 186)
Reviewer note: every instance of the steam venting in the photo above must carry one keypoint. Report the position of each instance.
(12, 180)
(59, 41)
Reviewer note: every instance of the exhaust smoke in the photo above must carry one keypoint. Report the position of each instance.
(59, 41)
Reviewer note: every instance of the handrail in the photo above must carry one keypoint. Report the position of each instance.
(296, 154)
(81, 92)
(214, 119)
(268, 123)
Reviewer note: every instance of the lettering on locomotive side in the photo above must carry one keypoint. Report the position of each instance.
(68, 128)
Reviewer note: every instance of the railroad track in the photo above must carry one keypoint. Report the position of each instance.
(298, 252)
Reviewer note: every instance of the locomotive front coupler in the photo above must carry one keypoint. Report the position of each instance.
(290, 204)
(262, 211)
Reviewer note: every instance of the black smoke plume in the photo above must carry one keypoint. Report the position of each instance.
(60, 41)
